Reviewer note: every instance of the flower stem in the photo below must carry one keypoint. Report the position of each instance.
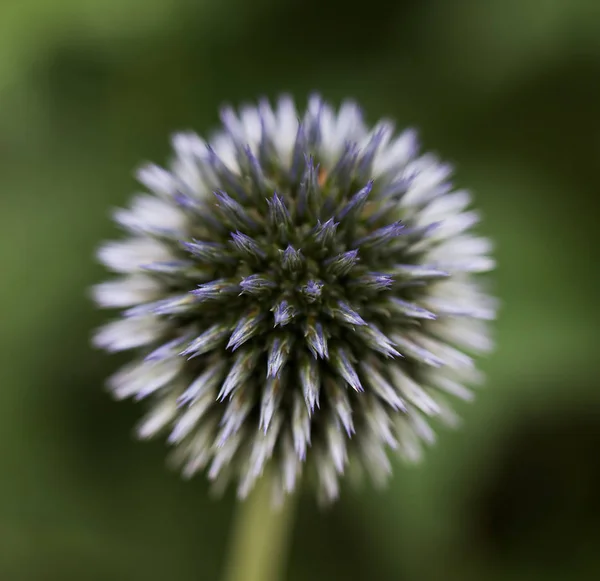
(259, 542)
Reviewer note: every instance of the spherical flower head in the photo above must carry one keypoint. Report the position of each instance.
(300, 292)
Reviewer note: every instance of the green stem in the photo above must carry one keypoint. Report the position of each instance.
(259, 543)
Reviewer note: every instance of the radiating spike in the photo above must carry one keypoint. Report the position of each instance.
(413, 392)
(342, 173)
(395, 189)
(452, 387)
(316, 339)
(177, 268)
(142, 378)
(377, 341)
(312, 290)
(324, 233)
(206, 382)
(309, 191)
(224, 455)
(421, 426)
(157, 419)
(130, 333)
(209, 252)
(381, 386)
(233, 212)
(262, 448)
(378, 421)
(266, 147)
(336, 445)
(169, 349)
(151, 216)
(271, 396)
(408, 309)
(257, 285)
(372, 282)
(341, 361)
(313, 122)
(451, 306)
(475, 264)
(232, 124)
(296, 167)
(221, 289)
(447, 354)
(189, 420)
(300, 425)
(429, 181)
(375, 459)
(352, 210)
(280, 219)
(283, 313)
(127, 291)
(241, 370)
(469, 334)
(417, 271)
(195, 454)
(248, 326)
(279, 351)
(397, 154)
(175, 305)
(225, 176)
(342, 264)
(328, 482)
(344, 313)
(246, 246)
(157, 179)
(415, 242)
(212, 338)
(411, 349)
(291, 259)
(236, 411)
(290, 464)
(200, 211)
(256, 172)
(410, 446)
(365, 162)
(310, 381)
(380, 237)
(454, 225)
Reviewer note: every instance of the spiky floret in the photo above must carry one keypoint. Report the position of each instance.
(300, 292)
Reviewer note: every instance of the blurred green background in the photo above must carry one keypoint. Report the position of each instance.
(508, 90)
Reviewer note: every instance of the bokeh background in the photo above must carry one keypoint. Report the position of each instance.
(508, 90)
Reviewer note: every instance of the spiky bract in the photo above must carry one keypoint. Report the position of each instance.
(299, 292)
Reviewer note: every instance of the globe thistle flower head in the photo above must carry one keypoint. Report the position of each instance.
(301, 292)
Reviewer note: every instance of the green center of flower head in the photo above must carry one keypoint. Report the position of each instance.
(301, 292)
